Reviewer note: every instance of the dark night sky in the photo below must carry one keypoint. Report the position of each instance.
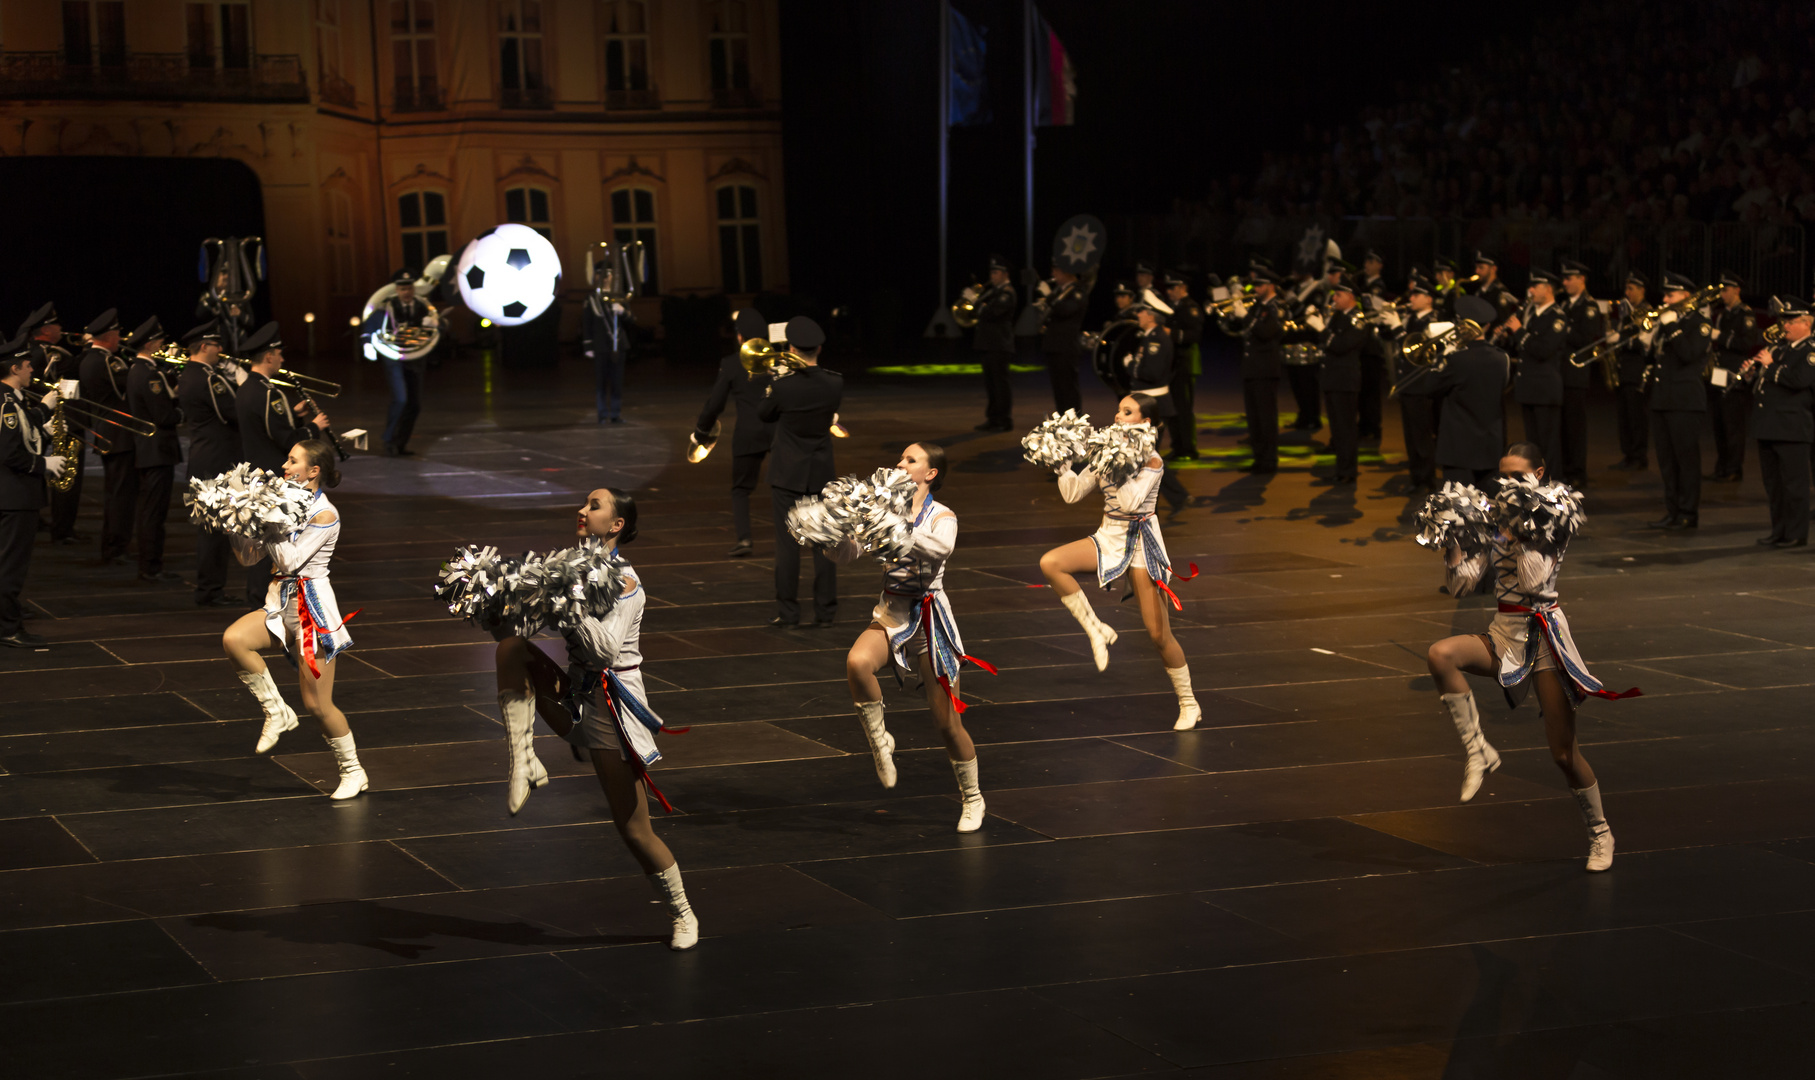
(1170, 95)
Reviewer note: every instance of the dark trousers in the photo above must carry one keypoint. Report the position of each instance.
(787, 567)
(1635, 424)
(1544, 426)
(999, 407)
(1183, 424)
(405, 378)
(1474, 477)
(1678, 437)
(258, 583)
(1727, 413)
(1373, 385)
(148, 519)
(212, 555)
(1062, 369)
(1345, 440)
(1418, 418)
(1785, 469)
(744, 470)
(1260, 400)
(608, 381)
(120, 505)
(1304, 380)
(18, 531)
(63, 504)
(1575, 434)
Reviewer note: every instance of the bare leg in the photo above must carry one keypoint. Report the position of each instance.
(1453, 657)
(1450, 660)
(318, 698)
(1157, 619)
(1560, 729)
(630, 811)
(245, 639)
(958, 745)
(1061, 563)
(869, 652)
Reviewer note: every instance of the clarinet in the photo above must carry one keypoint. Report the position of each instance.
(326, 432)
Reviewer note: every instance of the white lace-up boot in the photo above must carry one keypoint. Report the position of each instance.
(1482, 759)
(1600, 835)
(1099, 632)
(882, 744)
(1188, 711)
(279, 717)
(667, 885)
(970, 816)
(352, 774)
(526, 771)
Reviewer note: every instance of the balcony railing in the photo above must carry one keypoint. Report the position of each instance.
(527, 97)
(338, 91)
(737, 97)
(411, 98)
(647, 100)
(153, 76)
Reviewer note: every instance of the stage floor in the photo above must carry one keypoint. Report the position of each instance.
(1291, 890)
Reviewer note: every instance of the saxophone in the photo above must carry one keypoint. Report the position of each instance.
(64, 444)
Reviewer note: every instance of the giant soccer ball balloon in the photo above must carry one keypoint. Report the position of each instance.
(509, 274)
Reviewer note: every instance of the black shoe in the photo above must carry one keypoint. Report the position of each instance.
(115, 560)
(217, 600)
(162, 577)
(1768, 541)
(23, 639)
(1781, 544)
(987, 425)
(68, 541)
(1182, 455)
(1260, 470)
(821, 623)
(1668, 521)
(741, 549)
(1687, 521)
(617, 419)
(784, 624)
(404, 451)
(390, 450)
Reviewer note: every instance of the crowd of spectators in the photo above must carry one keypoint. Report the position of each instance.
(1647, 112)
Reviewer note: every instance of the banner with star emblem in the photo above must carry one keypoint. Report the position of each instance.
(1078, 245)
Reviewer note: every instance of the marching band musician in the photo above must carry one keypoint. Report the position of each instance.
(1471, 429)
(206, 396)
(1143, 278)
(268, 426)
(1444, 277)
(1343, 339)
(152, 399)
(1540, 340)
(994, 339)
(1586, 324)
(1261, 326)
(802, 406)
(1417, 394)
(1187, 364)
(233, 319)
(751, 440)
(57, 366)
(1634, 412)
(404, 309)
(1678, 345)
(24, 464)
(1736, 340)
(1061, 325)
(1149, 359)
(1373, 357)
(1781, 377)
(1490, 288)
(103, 381)
(605, 337)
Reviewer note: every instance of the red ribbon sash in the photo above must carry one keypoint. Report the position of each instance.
(307, 627)
(932, 655)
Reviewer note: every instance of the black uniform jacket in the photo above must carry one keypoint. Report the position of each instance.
(206, 396)
(267, 425)
(1678, 353)
(1344, 340)
(1150, 359)
(153, 398)
(54, 363)
(1586, 326)
(995, 319)
(1542, 346)
(801, 407)
(1064, 320)
(1471, 433)
(103, 381)
(753, 434)
(1736, 336)
(605, 327)
(1631, 354)
(1780, 406)
(1260, 329)
(1187, 322)
(1411, 332)
(23, 444)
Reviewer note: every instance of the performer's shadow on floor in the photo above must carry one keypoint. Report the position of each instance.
(1244, 493)
(376, 926)
(1333, 507)
(176, 780)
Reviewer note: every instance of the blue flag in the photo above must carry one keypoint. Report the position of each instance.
(970, 85)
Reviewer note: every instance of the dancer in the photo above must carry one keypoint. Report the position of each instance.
(912, 628)
(1127, 542)
(587, 705)
(1525, 640)
(301, 617)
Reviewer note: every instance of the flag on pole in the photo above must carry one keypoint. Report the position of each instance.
(1055, 83)
(970, 84)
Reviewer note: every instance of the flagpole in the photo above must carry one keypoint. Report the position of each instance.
(1027, 130)
(945, 141)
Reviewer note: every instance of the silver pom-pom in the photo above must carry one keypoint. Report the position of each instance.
(875, 513)
(575, 584)
(1459, 516)
(1059, 440)
(1543, 516)
(523, 594)
(482, 587)
(1119, 451)
(244, 501)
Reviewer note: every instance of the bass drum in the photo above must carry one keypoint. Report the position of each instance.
(1106, 351)
(417, 343)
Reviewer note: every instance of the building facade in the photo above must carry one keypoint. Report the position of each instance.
(385, 132)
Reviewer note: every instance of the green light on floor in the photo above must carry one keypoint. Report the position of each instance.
(948, 369)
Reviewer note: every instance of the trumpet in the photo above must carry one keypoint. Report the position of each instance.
(90, 412)
(1431, 354)
(761, 357)
(1243, 295)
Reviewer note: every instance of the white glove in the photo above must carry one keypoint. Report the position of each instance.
(51, 399)
(239, 376)
(1390, 318)
(53, 464)
(589, 354)
(1238, 310)
(1612, 337)
(1666, 318)
(1314, 320)
(431, 321)
(1645, 338)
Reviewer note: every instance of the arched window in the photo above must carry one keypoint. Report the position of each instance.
(633, 218)
(422, 219)
(626, 24)
(339, 213)
(728, 52)
(740, 239)
(415, 67)
(520, 74)
(529, 206)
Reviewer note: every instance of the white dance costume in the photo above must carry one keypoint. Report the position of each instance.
(300, 610)
(1129, 536)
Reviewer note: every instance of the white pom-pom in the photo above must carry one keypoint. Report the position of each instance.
(244, 501)
(1119, 451)
(1458, 517)
(1544, 516)
(1059, 440)
(876, 513)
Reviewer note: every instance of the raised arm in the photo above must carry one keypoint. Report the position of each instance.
(1073, 486)
(600, 640)
(292, 553)
(1462, 576)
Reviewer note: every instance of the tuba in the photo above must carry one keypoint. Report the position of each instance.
(231, 270)
(404, 342)
(616, 270)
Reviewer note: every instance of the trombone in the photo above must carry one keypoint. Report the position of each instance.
(291, 380)
(91, 412)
